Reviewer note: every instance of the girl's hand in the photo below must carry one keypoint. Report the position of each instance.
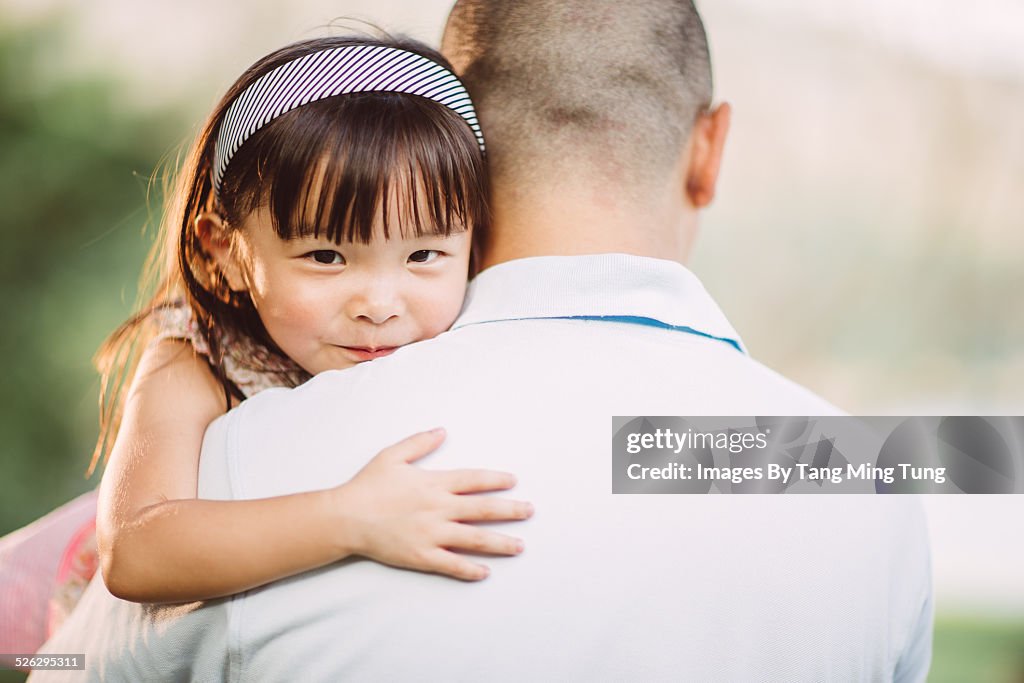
(398, 514)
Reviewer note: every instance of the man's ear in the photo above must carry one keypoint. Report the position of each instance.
(215, 237)
(707, 142)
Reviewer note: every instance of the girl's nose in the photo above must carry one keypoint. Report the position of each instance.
(377, 303)
(376, 314)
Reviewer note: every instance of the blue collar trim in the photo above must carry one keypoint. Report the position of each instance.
(651, 322)
(629, 319)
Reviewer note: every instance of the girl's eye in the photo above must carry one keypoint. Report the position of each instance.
(424, 255)
(327, 257)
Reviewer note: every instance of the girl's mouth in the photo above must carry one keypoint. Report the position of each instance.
(364, 353)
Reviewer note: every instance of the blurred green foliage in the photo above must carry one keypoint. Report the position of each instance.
(980, 650)
(74, 172)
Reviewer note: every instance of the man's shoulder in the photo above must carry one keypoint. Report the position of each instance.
(512, 360)
(797, 397)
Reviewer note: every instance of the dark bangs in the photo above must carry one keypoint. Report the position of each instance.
(330, 168)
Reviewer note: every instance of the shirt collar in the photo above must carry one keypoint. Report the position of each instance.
(618, 286)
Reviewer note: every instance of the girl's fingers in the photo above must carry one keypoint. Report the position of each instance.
(442, 561)
(414, 447)
(476, 481)
(477, 540)
(489, 509)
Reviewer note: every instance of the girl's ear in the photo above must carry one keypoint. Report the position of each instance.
(216, 239)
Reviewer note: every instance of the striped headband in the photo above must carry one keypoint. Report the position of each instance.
(338, 71)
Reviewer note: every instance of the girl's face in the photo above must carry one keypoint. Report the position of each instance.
(331, 306)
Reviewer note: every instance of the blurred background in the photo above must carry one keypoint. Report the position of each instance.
(872, 196)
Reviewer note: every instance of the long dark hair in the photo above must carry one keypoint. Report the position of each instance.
(328, 168)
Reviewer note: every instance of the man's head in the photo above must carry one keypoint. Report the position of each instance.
(606, 90)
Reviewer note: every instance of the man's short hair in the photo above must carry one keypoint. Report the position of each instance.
(574, 86)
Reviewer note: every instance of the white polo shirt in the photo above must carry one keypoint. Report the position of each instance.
(610, 587)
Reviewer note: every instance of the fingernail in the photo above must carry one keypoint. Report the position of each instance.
(484, 572)
(520, 546)
(436, 430)
(528, 510)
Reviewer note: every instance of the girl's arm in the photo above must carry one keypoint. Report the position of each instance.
(158, 543)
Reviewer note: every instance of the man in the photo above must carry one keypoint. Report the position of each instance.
(604, 146)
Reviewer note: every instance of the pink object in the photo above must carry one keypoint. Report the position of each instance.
(77, 566)
(32, 560)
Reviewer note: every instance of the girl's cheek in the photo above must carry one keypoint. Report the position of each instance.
(300, 307)
(280, 297)
(446, 307)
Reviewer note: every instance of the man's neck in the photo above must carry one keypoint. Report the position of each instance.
(572, 224)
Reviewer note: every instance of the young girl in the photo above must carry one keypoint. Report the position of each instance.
(324, 218)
